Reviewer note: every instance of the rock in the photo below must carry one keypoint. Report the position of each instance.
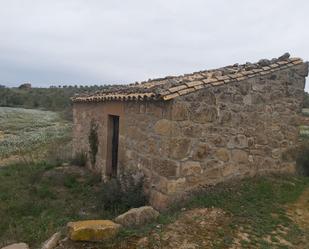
(163, 127)
(137, 216)
(284, 57)
(165, 167)
(239, 156)
(225, 117)
(92, 230)
(142, 243)
(17, 246)
(204, 114)
(230, 170)
(158, 200)
(52, 242)
(179, 112)
(179, 147)
(223, 154)
(264, 62)
(239, 141)
(276, 153)
(173, 186)
(191, 168)
(201, 151)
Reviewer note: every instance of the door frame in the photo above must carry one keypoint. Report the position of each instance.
(113, 128)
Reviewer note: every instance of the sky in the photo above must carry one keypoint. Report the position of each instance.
(53, 42)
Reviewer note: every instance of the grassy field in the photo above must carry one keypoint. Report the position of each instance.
(26, 130)
(33, 206)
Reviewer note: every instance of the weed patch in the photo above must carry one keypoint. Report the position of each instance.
(257, 205)
(32, 208)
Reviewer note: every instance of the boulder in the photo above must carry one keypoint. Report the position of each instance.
(92, 230)
(52, 242)
(17, 246)
(137, 216)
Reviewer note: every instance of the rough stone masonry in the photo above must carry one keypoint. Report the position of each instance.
(197, 129)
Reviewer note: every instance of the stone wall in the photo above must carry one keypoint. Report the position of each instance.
(233, 130)
(83, 115)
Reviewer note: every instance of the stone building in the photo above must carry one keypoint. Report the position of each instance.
(195, 129)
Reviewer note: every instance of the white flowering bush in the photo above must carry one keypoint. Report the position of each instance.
(23, 131)
(305, 111)
(304, 131)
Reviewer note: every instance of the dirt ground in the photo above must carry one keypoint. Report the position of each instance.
(299, 212)
(210, 228)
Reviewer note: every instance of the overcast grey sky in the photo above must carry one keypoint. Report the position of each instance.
(98, 41)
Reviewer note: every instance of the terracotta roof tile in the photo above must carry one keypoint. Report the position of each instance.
(194, 83)
(170, 96)
(207, 81)
(173, 86)
(199, 87)
(217, 83)
(186, 91)
(177, 88)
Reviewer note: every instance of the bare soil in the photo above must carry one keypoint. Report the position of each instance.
(212, 228)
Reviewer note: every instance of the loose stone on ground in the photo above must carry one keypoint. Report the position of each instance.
(17, 246)
(92, 230)
(137, 216)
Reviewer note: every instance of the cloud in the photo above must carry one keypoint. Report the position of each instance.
(78, 41)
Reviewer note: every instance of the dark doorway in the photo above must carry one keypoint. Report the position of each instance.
(113, 141)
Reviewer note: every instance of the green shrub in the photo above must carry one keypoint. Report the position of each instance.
(119, 195)
(93, 142)
(79, 159)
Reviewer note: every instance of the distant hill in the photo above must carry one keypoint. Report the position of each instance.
(53, 98)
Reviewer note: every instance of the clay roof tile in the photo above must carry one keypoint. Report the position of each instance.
(173, 86)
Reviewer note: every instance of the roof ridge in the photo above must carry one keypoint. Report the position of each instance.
(169, 87)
